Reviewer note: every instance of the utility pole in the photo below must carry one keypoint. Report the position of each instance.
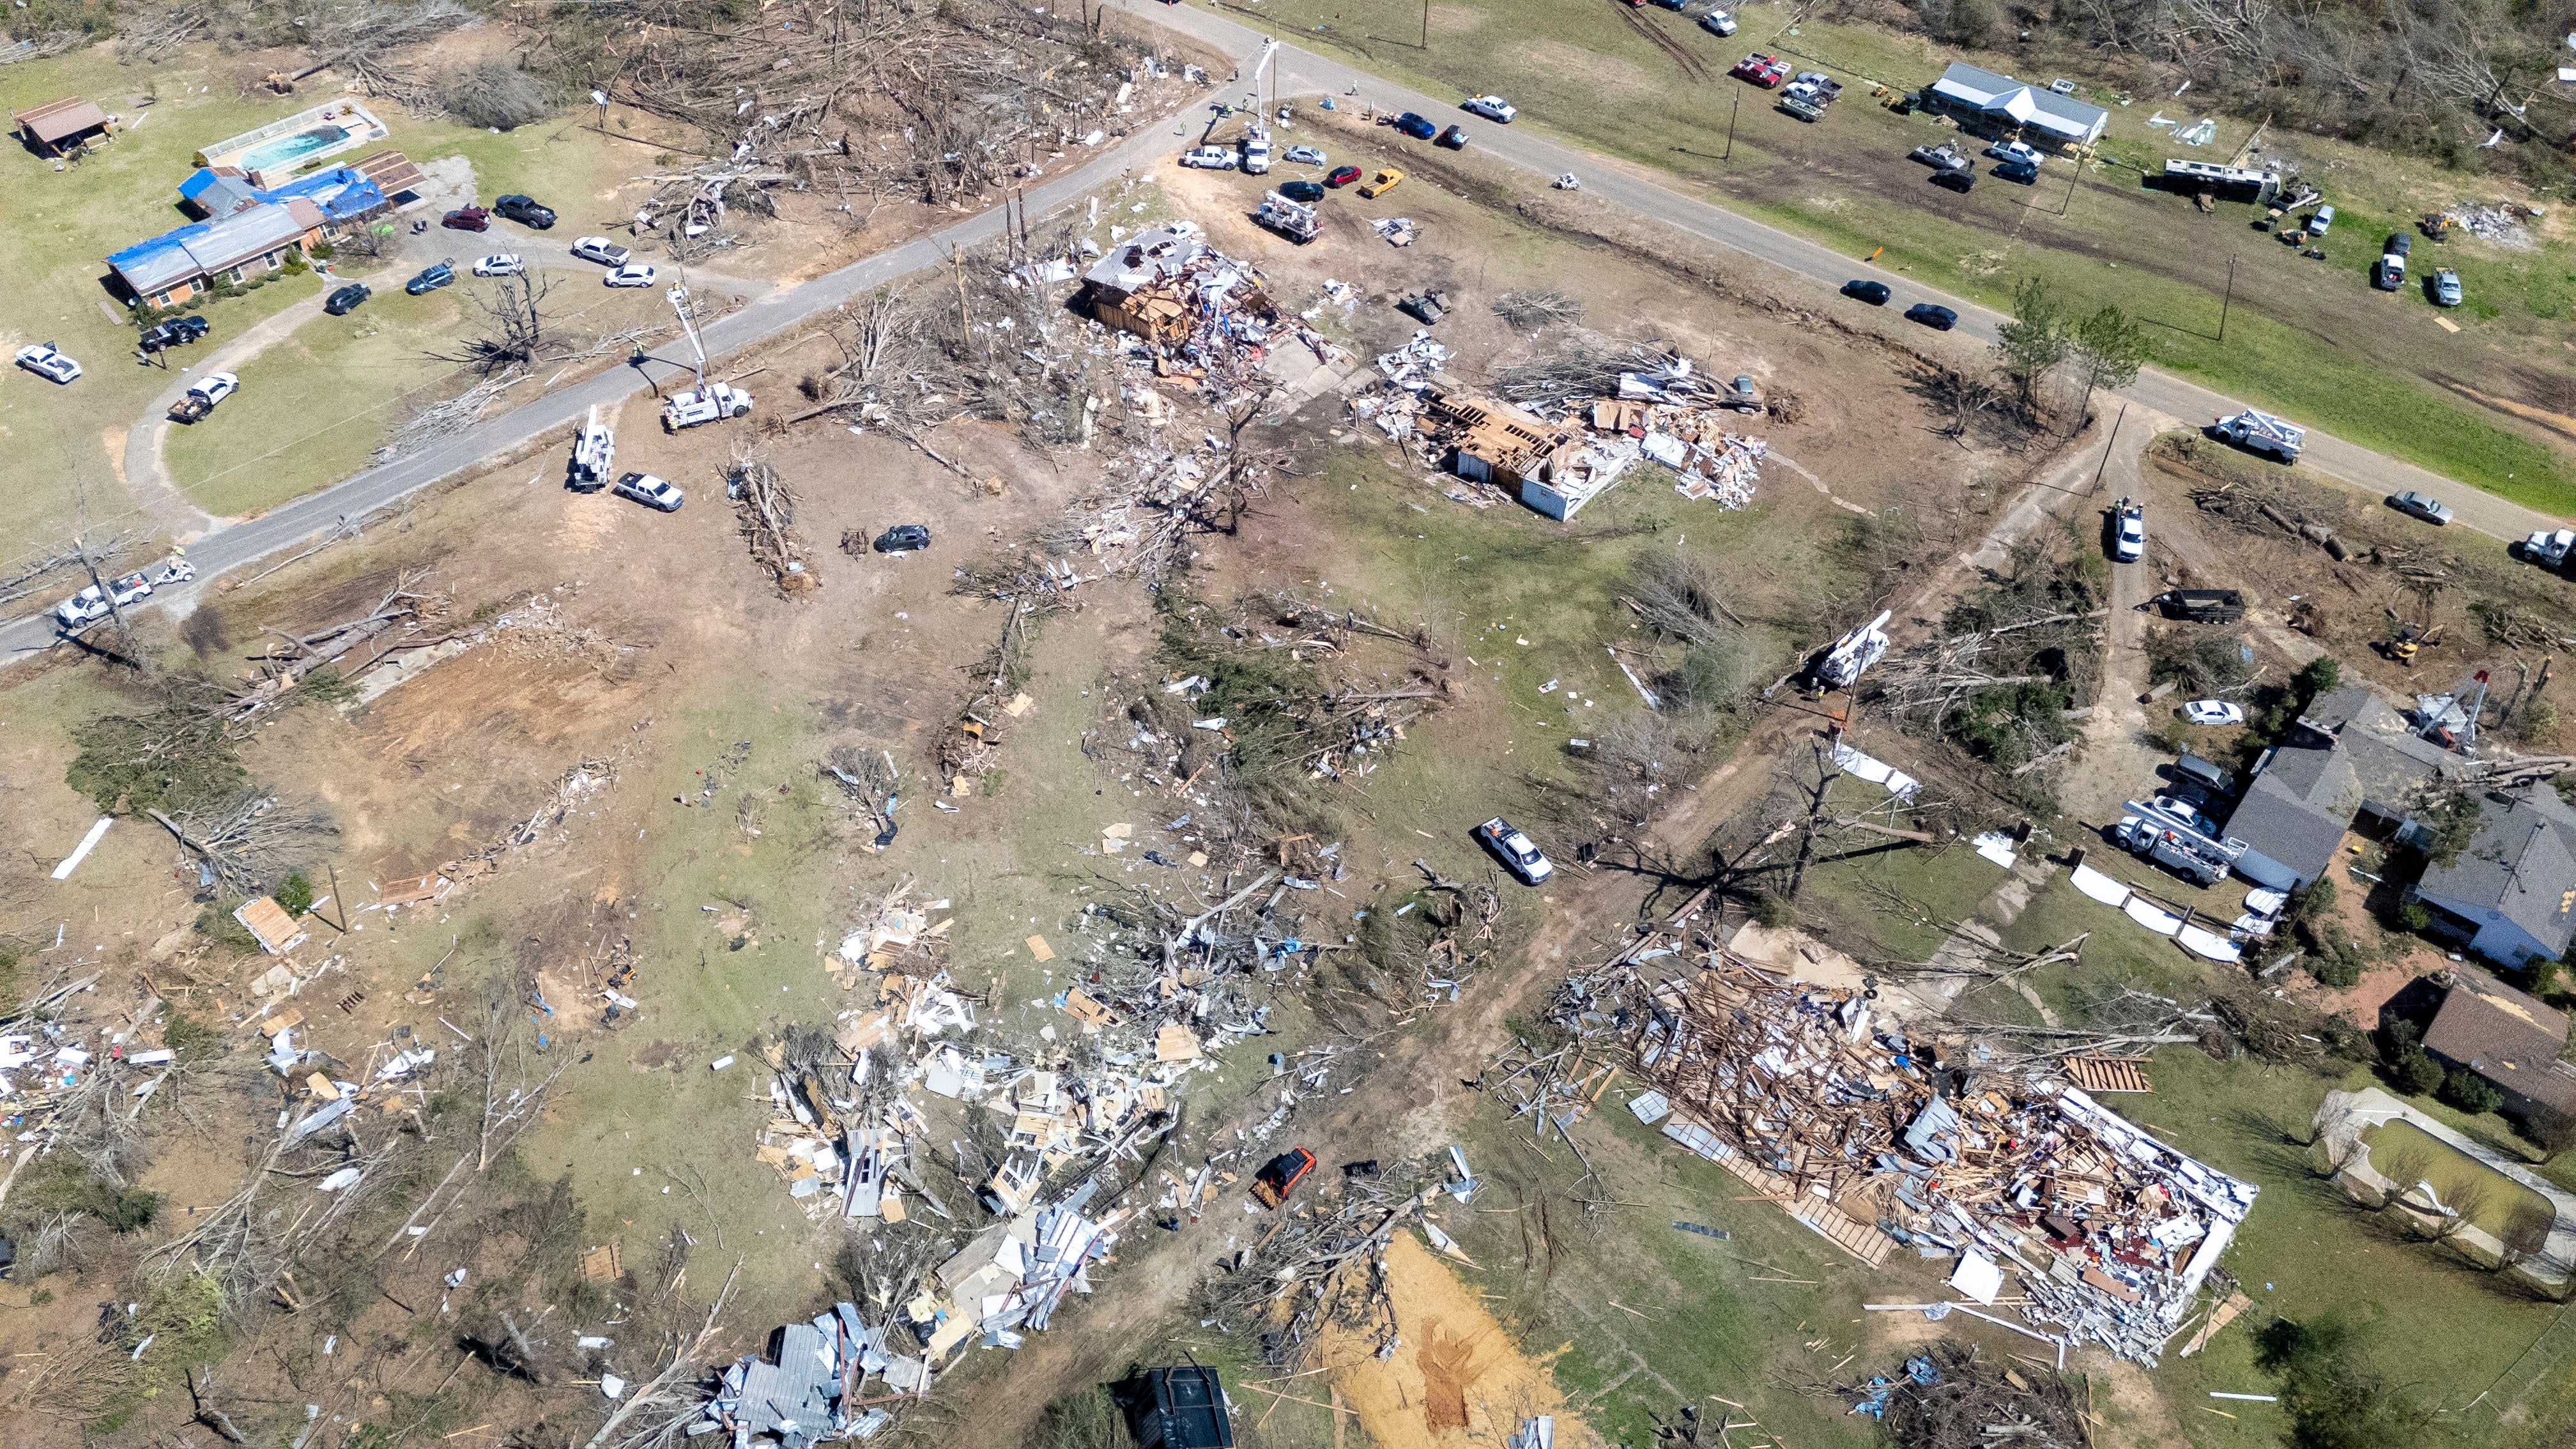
(2229, 299)
(2105, 465)
(1426, 24)
(1730, 124)
(2064, 203)
(680, 304)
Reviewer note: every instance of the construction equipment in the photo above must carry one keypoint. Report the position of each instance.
(2451, 720)
(709, 401)
(2201, 606)
(2409, 639)
(1280, 1175)
(2436, 225)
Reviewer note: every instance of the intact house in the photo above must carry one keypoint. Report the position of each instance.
(1985, 101)
(2508, 1038)
(244, 230)
(2510, 895)
(2352, 762)
(65, 125)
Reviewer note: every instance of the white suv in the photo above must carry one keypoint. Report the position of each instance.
(650, 491)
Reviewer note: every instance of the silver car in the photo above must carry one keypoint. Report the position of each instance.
(2421, 505)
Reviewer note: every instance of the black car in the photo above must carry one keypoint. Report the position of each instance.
(1939, 319)
(1961, 181)
(1308, 192)
(2024, 172)
(432, 279)
(177, 332)
(527, 211)
(903, 538)
(1874, 293)
(2400, 243)
(344, 301)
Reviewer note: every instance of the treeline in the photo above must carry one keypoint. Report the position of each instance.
(2431, 77)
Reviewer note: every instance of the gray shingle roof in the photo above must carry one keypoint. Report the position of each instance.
(2518, 864)
(2281, 817)
(1993, 92)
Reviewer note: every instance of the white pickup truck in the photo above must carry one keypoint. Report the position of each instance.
(2260, 432)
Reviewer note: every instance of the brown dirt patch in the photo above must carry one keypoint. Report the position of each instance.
(1465, 1381)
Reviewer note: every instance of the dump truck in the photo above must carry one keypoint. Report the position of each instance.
(1280, 1175)
(2260, 432)
(2201, 606)
(1293, 220)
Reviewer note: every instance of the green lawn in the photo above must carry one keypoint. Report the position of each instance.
(68, 442)
(2310, 339)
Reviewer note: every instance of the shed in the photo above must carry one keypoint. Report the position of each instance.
(59, 126)
(267, 920)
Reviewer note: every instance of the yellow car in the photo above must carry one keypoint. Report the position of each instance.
(1382, 183)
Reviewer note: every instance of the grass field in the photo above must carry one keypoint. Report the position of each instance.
(2311, 339)
(62, 225)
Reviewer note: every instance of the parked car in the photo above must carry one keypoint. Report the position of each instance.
(2203, 775)
(203, 394)
(1941, 157)
(431, 279)
(1962, 181)
(2388, 274)
(501, 264)
(91, 604)
(1717, 22)
(467, 218)
(2421, 505)
(2013, 151)
(1342, 176)
(2129, 532)
(650, 491)
(2401, 243)
(1519, 854)
(1455, 138)
(2318, 223)
(1762, 70)
(633, 274)
(1874, 293)
(1939, 319)
(1415, 126)
(1386, 180)
(527, 211)
(2188, 813)
(49, 362)
(1303, 156)
(344, 301)
(1673, 4)
(1307, 192)
(903, 538)
(1492, 108)
(2446, 288)
(2024, 172)
(1209, 158)
(601, 250)
(176, 332)
(2213, 712)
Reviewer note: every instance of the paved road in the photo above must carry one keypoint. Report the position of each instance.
(1305, 73)
(1299, 73)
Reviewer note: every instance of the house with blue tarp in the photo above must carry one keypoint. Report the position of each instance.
(244, 229)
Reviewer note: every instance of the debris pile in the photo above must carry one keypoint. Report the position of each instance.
(1878, 1140)
(1952, 1398)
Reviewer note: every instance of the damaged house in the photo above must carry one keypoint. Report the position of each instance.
(2353, 762)
(2510, 894)
(2507, 1037)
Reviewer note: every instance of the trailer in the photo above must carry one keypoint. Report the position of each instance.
(2260, 432)
(2201, 606)
(2225, 183)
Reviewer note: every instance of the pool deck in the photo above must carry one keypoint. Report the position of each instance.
(348, 112)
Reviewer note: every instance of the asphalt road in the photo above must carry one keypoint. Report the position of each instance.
(1301, 73)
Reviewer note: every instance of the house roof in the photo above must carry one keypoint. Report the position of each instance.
(1500, 434)
(2518, 864)
(2354, 750)
(2504, 1035)
(2288, 813)
(339, 193)
(218, 192)
(57, 120)
(1143, 260)
(393, 173)
(211, 246)
(2026, 104)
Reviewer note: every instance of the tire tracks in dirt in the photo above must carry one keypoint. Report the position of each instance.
(1691, 65)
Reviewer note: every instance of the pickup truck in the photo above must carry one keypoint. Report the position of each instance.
(2260, 432)
(1802, 108)
(709, 404)
(202, 396)
(2549, 550)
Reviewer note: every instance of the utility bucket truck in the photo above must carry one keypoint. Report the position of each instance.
(708, 402)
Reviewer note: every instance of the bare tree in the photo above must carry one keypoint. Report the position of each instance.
(516, 328)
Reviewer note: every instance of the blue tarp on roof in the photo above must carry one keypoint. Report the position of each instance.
(342, 192)
(246, 221)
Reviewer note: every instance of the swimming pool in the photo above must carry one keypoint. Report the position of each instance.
(286, 149)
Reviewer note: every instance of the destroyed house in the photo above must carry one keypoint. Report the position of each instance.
(2508, 1038)
(1500, 444)
(1143, 285)
(1998, 102)
(2352, 762)
(2510, 894)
